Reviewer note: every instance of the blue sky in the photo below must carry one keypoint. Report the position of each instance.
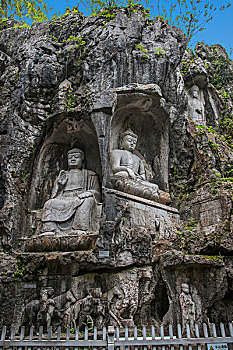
(218, 31)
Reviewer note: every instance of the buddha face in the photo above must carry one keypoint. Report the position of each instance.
(195, 91)
(75, 160)
(185, 288)
(129, 143)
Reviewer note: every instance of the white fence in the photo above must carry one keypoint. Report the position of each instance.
(111, 337)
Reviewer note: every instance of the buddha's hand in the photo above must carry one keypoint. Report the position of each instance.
(131, 174)
(62, 178)
(85, 195)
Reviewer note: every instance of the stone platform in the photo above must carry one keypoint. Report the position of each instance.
(49, 243)
(161, 220)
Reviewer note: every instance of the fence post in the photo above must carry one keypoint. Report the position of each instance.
(111, 336)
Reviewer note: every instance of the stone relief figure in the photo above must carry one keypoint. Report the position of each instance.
(30, 311)
(47, 307)
(123, 299)
(187, 306)
(71, 310)
(99, 307)
(74, 205)
(93, 309)
(129, 171)
(196, 105)
(122, 306)
(43, 311)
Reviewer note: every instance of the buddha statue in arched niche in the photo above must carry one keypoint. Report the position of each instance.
(74, 206)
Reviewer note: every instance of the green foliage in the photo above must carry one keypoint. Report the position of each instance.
(224, 94)
(36, 10)
(160, 52)
(75, 45)
(220, 182)
(219, 68)
(191, 234)
(216, 138)
(189, 228)
(181, 187)
(24, 25)
(187, 62)
(87, 323)
(77, 41)
(69, 106)
(203, 129)
(21, 269)
(74, 10)
(141, 48)
(219, 77)
(224, 132)
(108, 14)
(190, 224)
(226, 129)
(229, 171)
(190, 15)
(106, 7)
(213, 258)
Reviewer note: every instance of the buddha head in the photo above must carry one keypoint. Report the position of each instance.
(195, 91)
(128, 140)
(75, 158)
(185, 288)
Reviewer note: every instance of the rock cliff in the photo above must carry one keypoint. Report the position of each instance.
(77, 82)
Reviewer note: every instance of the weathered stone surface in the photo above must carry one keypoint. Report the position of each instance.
(207, 281)
(76, 82)
(62, 244)
(161, 221)
(212, 222)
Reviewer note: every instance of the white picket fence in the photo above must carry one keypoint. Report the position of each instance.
(111, 337)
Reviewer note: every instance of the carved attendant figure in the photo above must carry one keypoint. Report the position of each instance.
(129, 171)
(187, 306)
(196, 105)
(73, 206)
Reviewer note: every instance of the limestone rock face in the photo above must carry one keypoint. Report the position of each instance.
(80, 82)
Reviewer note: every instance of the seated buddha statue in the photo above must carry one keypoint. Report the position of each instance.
(128, 169)
(74, 205)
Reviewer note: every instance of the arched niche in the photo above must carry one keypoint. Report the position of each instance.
(63, 133)
(144, 115)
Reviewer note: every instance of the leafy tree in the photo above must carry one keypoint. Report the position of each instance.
(190, 15)
(35, 10)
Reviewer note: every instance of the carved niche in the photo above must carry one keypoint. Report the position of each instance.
(139, 148)
(137, 184)
(65, 193)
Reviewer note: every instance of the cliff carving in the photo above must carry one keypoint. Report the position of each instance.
(116, 174)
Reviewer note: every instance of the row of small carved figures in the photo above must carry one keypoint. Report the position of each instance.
(162, 335)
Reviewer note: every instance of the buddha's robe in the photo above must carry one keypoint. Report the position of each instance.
(73, 206)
